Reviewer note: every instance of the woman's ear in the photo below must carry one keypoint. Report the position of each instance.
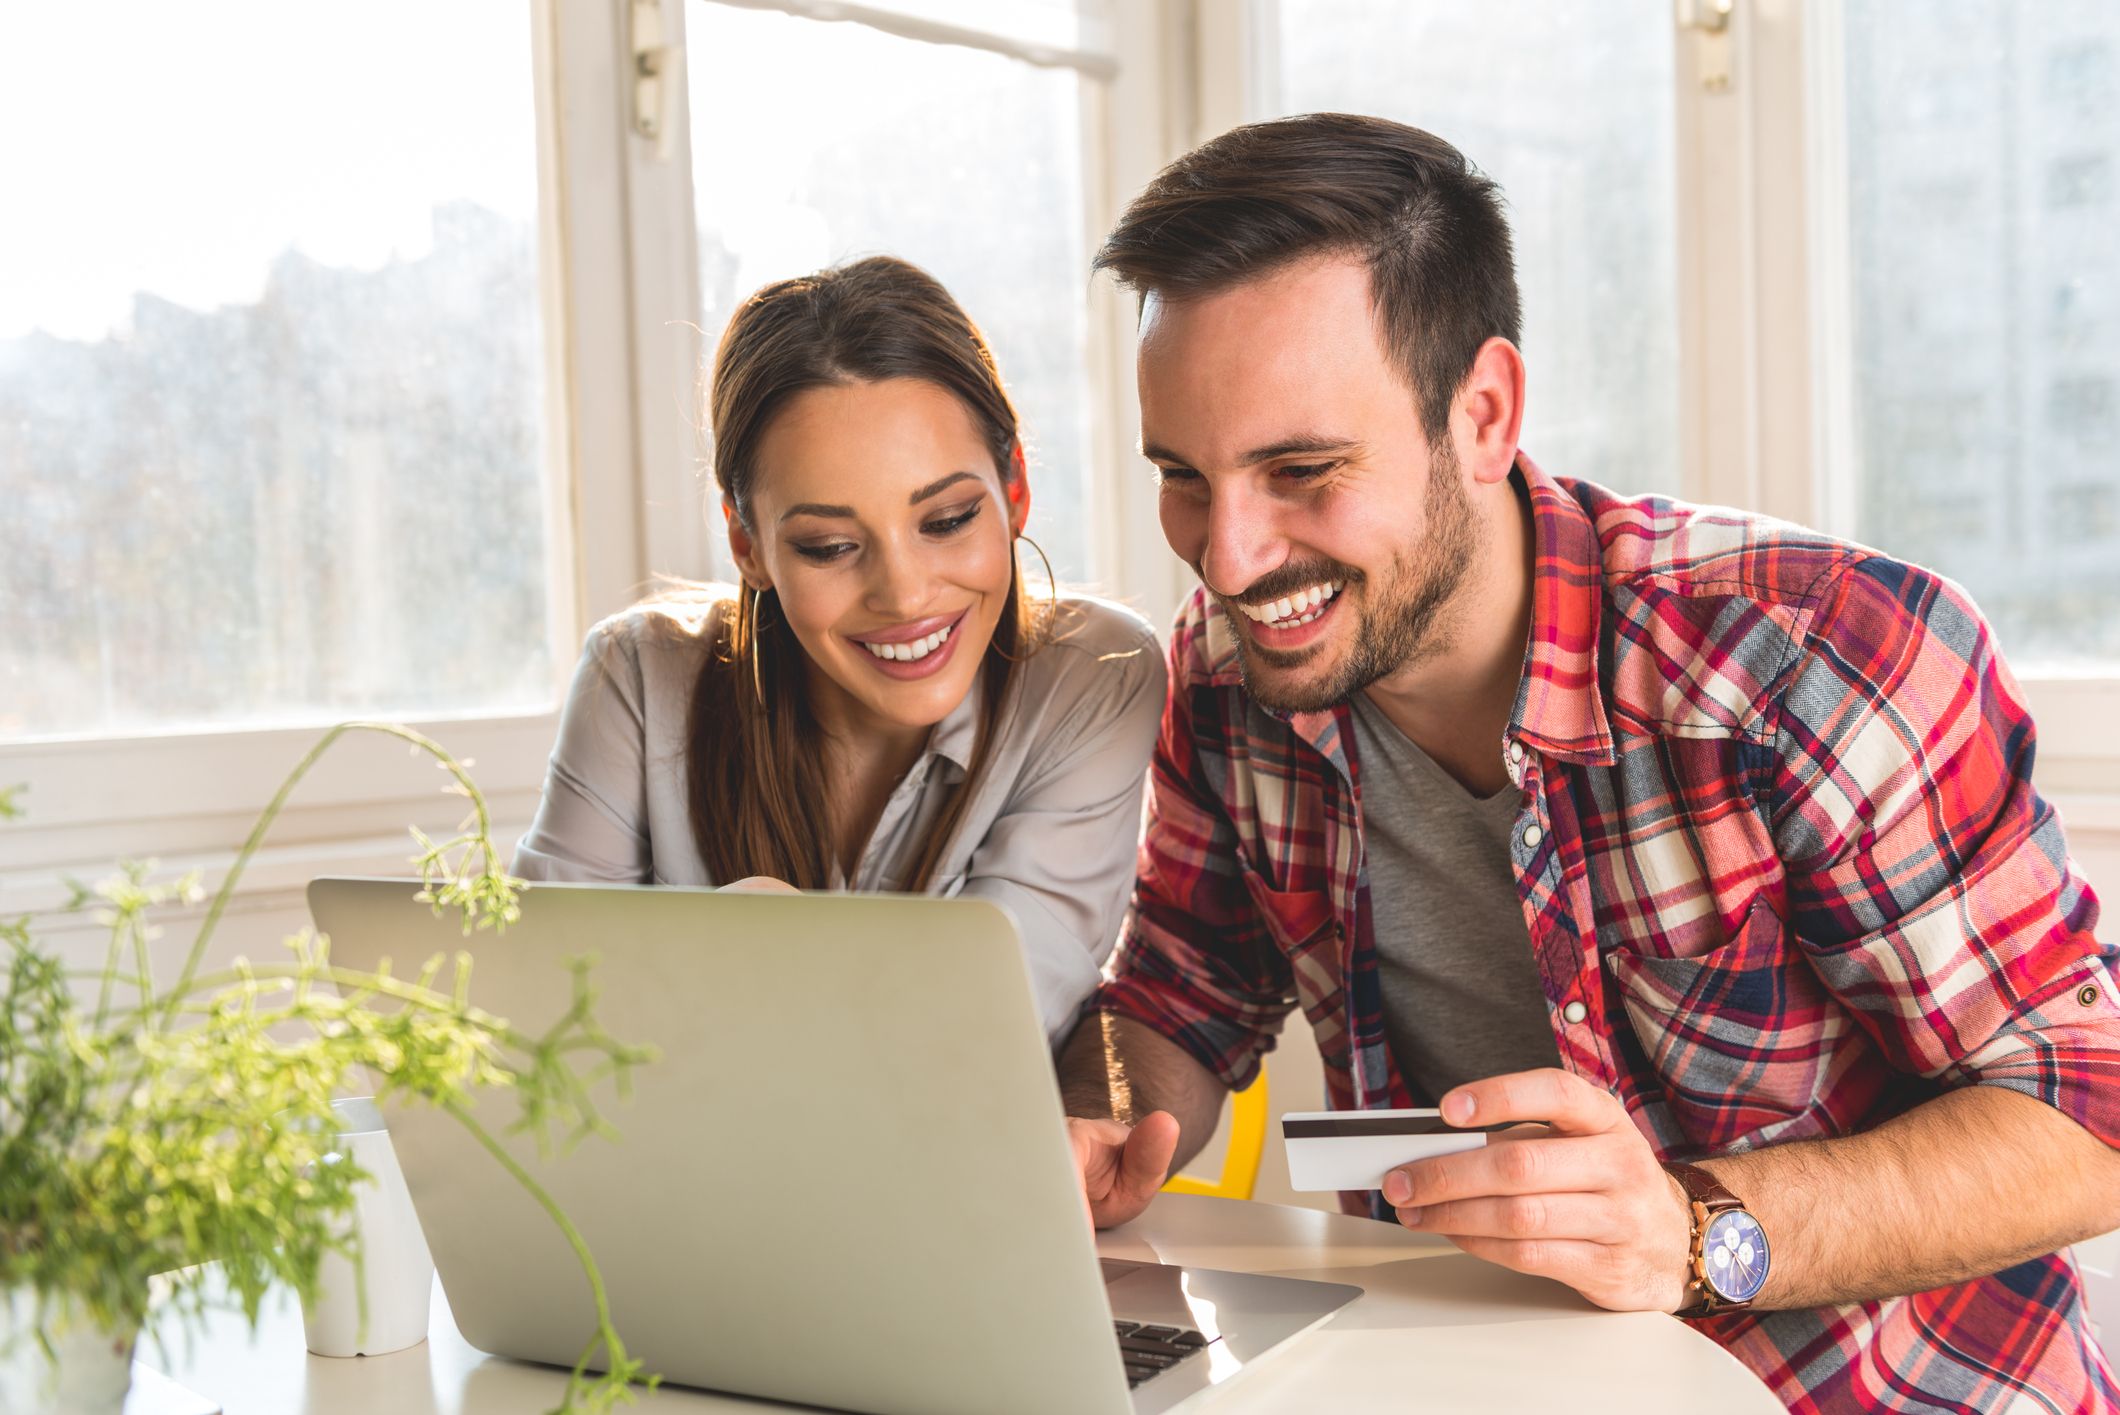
(743, 550)
(1018, 486)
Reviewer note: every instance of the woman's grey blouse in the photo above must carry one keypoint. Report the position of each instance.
(1050, 835)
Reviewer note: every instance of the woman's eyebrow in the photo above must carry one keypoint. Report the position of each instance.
(817, 508)
(940, 485)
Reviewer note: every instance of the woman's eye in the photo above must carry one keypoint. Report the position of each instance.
(824, 554)
(949, 525)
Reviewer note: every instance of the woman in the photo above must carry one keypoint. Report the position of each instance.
(880, 705)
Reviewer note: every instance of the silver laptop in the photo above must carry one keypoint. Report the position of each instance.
(845, 1182)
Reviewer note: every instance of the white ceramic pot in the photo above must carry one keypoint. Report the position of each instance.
(396, 1268)
(91, 1374)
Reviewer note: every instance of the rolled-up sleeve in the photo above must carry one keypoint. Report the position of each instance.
(1930, 884)
(1059, 855)
(591, 825)
(1195, 962)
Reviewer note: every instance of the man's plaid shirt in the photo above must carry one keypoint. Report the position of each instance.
(1778, 836)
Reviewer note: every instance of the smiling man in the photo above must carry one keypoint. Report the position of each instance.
(1708, 841)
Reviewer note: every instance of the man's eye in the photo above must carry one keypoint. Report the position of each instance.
(1168, 475)
(825, 554)
(1308, 471)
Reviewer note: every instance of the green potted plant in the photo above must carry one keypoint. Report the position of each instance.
(147, 1130)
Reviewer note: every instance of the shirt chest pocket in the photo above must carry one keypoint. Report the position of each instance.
(1306, 928)
(1744, 1039)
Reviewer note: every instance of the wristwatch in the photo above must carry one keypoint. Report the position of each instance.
(1729, 1261)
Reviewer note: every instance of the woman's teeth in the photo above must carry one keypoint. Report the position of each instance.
(1298, 608)
(912, 650)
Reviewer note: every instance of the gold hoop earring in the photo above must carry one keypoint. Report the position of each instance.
(1052, 585)
(755, 634)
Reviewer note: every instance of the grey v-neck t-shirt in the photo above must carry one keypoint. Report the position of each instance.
(1462, 997)
(1049, 834)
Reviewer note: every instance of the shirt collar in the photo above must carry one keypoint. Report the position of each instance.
(1559, 709)
(956, 737)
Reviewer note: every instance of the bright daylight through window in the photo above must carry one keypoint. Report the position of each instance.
(271, 388)
(814, 143)
(1983, 195)
(1578, 129)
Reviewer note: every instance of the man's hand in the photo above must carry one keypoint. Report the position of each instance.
(1585, 1203)
(1122, 1168)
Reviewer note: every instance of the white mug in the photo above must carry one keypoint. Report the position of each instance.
(396, 1269)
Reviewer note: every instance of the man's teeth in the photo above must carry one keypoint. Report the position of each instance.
(912, 650)
(1298, 608)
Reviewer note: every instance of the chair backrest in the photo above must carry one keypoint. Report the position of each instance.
(1248, 1112)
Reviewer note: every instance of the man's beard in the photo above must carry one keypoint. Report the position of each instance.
(1407, 614)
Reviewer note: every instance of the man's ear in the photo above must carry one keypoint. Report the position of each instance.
(1018, 486)
(743, 550)
(1488, 411)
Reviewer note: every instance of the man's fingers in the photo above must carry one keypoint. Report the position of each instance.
(1561, 1099)
(1590, 1217)
(1555, 1164)
(1146, 1163)
(1122, 1168)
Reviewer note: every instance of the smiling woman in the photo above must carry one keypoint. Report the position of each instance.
(879, 705)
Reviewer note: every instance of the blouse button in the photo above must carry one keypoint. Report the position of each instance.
(1575, 1012)
(1532, 836)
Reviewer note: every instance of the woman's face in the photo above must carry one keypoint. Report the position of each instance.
(880, 518)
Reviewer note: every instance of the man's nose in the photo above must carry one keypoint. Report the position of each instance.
(1244, 541)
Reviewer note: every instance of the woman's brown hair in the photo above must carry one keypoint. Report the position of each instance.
(758, 799)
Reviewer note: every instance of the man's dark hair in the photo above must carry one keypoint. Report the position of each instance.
(1427, 223)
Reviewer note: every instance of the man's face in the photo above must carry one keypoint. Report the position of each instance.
(1298, 484)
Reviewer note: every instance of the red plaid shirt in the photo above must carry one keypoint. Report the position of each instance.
(1778, 836)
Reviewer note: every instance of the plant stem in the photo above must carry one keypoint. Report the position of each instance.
(279, 801)
(606, 1335)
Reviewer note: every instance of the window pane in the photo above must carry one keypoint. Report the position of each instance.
(1983, 149)
(1573, 116)
(270, 365)
(1066, 24)
(814, 143)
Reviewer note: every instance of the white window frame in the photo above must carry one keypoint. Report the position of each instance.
(1766, 335)
(1763, 408)
(1763, 314)
(1129, 130)
(188, 798)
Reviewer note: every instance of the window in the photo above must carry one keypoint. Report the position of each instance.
(814, 143)
(1573, 117)
(271, 367)
(1980, 207)
(277, 331)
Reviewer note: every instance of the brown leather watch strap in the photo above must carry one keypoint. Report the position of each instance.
(1703, 1188)
(1705, 1198)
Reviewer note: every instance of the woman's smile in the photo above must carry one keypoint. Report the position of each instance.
(913, 650)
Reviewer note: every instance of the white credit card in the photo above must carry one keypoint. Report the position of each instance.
(1352, 1149)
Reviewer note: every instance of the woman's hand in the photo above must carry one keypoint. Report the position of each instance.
(759, 884)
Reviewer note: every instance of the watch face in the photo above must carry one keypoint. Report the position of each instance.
(1735, 1254)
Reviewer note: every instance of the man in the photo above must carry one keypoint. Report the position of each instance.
(1697, 837)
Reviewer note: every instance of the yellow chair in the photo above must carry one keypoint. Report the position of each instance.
(1248, 1111)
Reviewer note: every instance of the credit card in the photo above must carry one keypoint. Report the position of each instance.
(1352, 1149)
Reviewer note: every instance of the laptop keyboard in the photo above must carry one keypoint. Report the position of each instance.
(1150, 1351)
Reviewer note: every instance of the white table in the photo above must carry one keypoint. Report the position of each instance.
(1435, 1330)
